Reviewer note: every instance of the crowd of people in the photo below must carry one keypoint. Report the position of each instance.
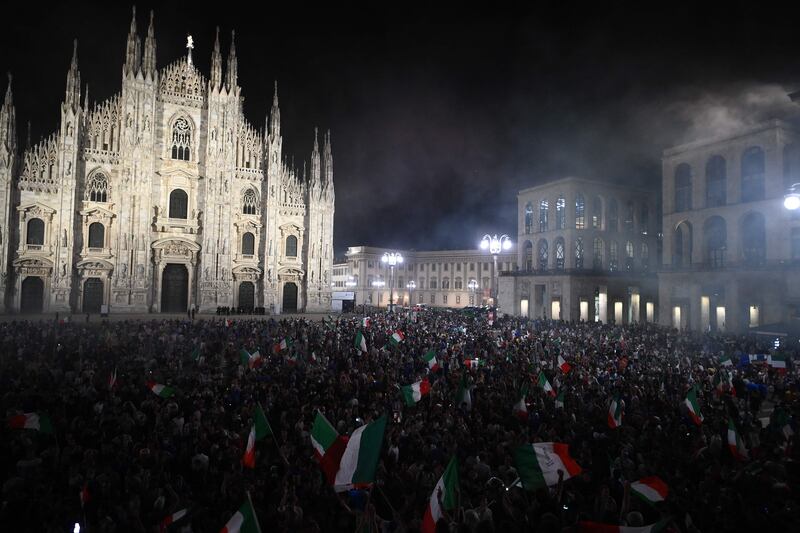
(120, 458)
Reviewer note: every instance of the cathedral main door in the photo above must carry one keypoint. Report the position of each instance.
(174, 288)
(289, 298)
(92, 295)
(247, 295)
(32, 295)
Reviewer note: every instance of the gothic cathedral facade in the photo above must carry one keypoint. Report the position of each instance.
(162, 199)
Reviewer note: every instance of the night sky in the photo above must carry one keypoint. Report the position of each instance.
(438, 118)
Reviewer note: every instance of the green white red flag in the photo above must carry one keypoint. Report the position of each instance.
(365, 322)
(563, 365)
(615, 413)
(443, 498)
(545, 385)
(694, 407)
(651, 489)
(360, 458)
(171, 519)
(778, 362)
(328, 446)
(472, 363)
(521, 408)
(725, 360)
(243, 521)
(162, 391)
(560, 400)
(396, 338)
(736, 444)
(413, 393)
(538, 464)
(361, 342)
(430, 360)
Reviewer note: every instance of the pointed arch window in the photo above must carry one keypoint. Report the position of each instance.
(580, 212)
(250, 202)
(544, 209)
(597, 253)
(613, 256)
(561, 213)
(543, 254)
(529, 218)
(97, 188)
(181, 140)
(560, 255)
(597, 213)
(579, 253)
(613, 216)
(629, 256)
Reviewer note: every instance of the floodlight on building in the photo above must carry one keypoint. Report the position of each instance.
(791, 200)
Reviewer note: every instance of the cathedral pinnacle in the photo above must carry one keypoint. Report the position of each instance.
(149, 60)
(73, 93)
(275, 115)
(233, 65)
(216, 64)
(132, 47)
(189, 47)
(9, 97)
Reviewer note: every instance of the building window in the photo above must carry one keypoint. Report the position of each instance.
(458, 284)
(682, 249)
(181, 140)
(97, 235)
(472, 267)
(249, 202)
(35, 232)
(446, 266)
(716, 182)
(400, 283)
(178, 204)
(485, 267)
(579, 253)
(613, 216)
(544, 207)
(629, 256)
(753, 174)
(421, 298)
(458, 267)
(716, 237)
(433, 267)
(597, 254)
(444, 299)
(560, 254)
(248, 244)
(754, 248)
(485, 283)
(613, 259)
(791, 165)
(446, 283)
(528, 256)
(433, 283)
(97, 188)
(628, 223)
(458, 299)
(543, 254)
(433, 299)
(683, 187)
(561, 213)
(528, 218)
(291, 246)
(597, 213)
(644, 223)
(645, 256)
(580, 212)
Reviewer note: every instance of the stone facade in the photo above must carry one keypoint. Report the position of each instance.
(163, 198)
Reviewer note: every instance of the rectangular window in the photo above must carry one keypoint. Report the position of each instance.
(445, 267)
(485, 267)
(458, 300)
(444, 299)
(458, 267)
(433, 299)
(433, 267)
(472, 267)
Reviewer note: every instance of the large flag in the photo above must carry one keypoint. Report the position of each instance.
(545, 385)
(615, 413)
(38, 421)
(651, 489)
(521, 408)
(445, 495)
(463, 396)
(538, 464)
(414, 392)
(328, 446)
(777, 362)
(563, 365)
(244, 521)
(396, 338)
(360, 457)
(430, 359)
(597, 527)
(160, 390)
(694, 407)
(361, 342)
(735, 443)
(171, 519)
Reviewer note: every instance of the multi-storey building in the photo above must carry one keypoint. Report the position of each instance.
(163, 197)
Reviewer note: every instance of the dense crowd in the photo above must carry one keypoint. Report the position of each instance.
(121, 458)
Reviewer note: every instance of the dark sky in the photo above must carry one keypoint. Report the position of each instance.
(438, 118)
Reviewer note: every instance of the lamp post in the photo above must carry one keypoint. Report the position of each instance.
(392, 259)
(473, 286)
(411, 285)
(791, 200)
(494, 245)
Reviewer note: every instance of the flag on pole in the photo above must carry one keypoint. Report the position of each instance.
(260, 422)
(430, 359)
(563, 365)
(396, 338)
(520, 408)
(445, 495)
(413, 393)
(252, 360)
(249, 459)
(112, 379)
(463, 396)
(174, 517)
(160, 390)
(735, 443)
(538, 464)
(694, 407)
(360, 457)
(361, 342)
(545, 385)
(560, 400)
(651, 489)
(328, 446)
(615, 413)
(244, 521)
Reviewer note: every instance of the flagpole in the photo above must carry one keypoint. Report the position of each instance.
(255, 516)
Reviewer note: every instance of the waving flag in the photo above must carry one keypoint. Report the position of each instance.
(563, 365)
(545, 385)
(328, 446)
(365, 322)
(445, 495)
(243, 521)
(413, 393)
(694, 407)
(361, 342)
(430, 359)
(736, 444)
(651, 489)
(560, 400)
(360, 458)
(171, 519)
(396, 338)
(160, 390)
(615, 413)
(38, 421)
(538, 464)
(520, 408)
(463, 396)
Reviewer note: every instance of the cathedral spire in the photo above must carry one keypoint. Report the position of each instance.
(72, 97)
(233, 65)
(149, 60)
(8, 121)
(315, 174)
(328, 161)
(216, 64)
(28, 139)
(86, 100)
(275, 115)
(132, 48)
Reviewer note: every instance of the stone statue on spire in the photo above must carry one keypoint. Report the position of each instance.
(189, 46)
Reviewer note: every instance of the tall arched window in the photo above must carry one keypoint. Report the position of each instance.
(613, 216)
(682, 249)
(181, 140)
(644, 221)
(248, 243)
(753, 174)
(598, 254)
(613, 257)
(560, 254)
(597, 213)
(178, 204)
(529, 218)
(528, 256)
(629, 256)
(249, 202)
(645, 256)
(578, 253)
(544, 208)
(445, 283)
(683, 187)
(754, 242)
(543, 254)
(97, 188)
(291, 246)
(791, 165)
(716, 182)
(715, 235)
(580, 212)
(35, 232)
(561, 213)
(628, 222)
(97, 235)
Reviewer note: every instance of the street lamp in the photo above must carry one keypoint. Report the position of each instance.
(411, 285)
(791, 200)
(392, 259)
(495, 245)
(473, 286)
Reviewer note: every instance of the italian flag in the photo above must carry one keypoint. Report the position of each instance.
(725, 360)
(244, 521)
(463, 395)
(520, 408)
(560, 400)
(651, 489)
(563, 365)
(445, 495)
(472, 363)
(396, 338)
(360, 457)
(365, 322)
(615, 413)
(361, 342)
(545, 385)
(160, 390)
(414, 392)
(694, 407)
(430, 359)
(597, 527)
(251, 360)
(538, 464)
(174, 517)
(736, 444)
(777, 362)
(259, 431)
(328, 446)
(112, 379)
